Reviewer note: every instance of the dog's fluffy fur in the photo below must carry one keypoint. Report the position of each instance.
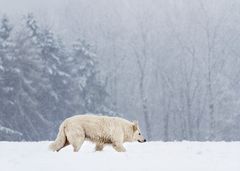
(98, 129)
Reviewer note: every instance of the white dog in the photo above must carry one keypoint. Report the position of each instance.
(98, 129)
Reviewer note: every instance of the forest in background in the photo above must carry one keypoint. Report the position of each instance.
(172, 65)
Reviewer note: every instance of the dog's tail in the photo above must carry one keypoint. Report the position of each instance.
(60, 140)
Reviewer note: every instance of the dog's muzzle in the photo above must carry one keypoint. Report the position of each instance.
(142, 141)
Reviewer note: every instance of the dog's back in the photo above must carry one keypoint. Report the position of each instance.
(96, 128)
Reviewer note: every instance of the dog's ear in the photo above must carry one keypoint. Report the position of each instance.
(135, 126)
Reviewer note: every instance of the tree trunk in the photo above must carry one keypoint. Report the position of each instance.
(211, 108)
(144, 107)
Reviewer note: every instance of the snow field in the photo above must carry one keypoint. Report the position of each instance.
(152, 156)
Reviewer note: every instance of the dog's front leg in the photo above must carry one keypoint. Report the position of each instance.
(118, 147)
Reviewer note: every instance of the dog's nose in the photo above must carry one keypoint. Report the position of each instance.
(144, 140)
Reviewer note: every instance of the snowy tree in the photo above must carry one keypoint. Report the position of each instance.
(84, 71)
(47, 82)
(5, 56)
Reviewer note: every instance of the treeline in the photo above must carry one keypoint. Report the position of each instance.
(42, 81)
(173, 65)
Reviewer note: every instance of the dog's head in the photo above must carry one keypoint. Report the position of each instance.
(137, 136)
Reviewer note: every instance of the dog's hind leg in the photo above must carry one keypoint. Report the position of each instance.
(77, 144)
(76, 139)
(66, 144)
(99, 146)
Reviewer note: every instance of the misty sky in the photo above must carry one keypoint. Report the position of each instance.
(15, 6)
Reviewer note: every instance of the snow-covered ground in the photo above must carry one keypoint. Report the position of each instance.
(152, 156)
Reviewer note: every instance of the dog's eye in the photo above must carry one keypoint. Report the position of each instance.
(139, 133)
